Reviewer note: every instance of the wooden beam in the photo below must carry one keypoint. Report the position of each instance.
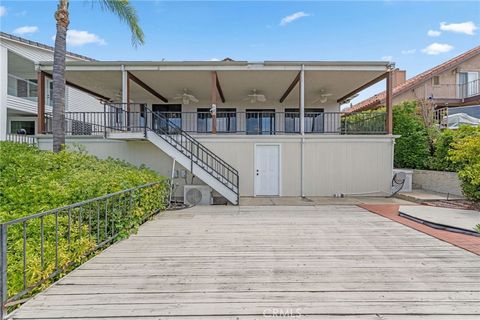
(75, 86)
(214, 101)
(290, 88)
(41, 102)
(146, 87)
(219, 89)
(389, 103)
(366, 85)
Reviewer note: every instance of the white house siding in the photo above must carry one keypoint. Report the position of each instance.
(31, 52)
(333, 164)
(79, 101)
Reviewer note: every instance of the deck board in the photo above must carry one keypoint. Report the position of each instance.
(246, 262)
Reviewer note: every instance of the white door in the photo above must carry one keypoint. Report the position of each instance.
(267, 170)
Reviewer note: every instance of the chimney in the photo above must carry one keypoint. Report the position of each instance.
(399, 77)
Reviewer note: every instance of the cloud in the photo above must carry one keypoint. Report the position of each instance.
(295, 16)
(465, 27)
(387, 58)
(409, 51)
(26, 29)
(3, 11)
(433, 33)
(437, 48)
(79, 38)
(214, 59)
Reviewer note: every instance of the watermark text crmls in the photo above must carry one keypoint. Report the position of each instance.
(282, 313)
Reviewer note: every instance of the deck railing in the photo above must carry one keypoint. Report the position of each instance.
(21, 138)
(115, 118)
(455, 91)
(37, 248)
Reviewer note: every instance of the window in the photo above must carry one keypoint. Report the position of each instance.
(260, 122)
(226, 120)
(314, 118)
(170, 115)
(22, 126)
(468, 84)
(436, 80)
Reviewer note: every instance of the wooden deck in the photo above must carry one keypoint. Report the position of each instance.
(319, 262)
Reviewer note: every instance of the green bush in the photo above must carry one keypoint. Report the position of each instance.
(465, 153)
(440, 159)
(33, 181)
(412, 148)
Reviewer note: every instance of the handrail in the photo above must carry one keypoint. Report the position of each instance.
(48, 237)
(168, 133)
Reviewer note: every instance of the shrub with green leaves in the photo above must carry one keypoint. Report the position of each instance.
(465, 154)
(440, 159)
(412, 148)
(33, 181)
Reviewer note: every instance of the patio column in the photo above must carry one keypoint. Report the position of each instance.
(388, 103)
(213, 110)
(302, 100)
(40, 102)
(3, 92)
(124, 86)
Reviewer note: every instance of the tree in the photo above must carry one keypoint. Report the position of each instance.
(126, 13)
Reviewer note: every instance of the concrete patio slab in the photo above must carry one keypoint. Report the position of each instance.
(420, 195)
(456, 218)
(309, 201)
(255, 262)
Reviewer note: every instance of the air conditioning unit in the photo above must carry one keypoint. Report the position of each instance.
(407, 185)
(197, 195)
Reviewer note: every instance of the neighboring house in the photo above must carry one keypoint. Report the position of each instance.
(19, 87)
(454, 83)
(270, 128)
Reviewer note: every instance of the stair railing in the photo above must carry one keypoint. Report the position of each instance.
(194, 150)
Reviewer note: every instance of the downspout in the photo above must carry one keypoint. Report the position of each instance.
(302, 131)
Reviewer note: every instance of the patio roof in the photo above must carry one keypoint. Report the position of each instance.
(237, 78)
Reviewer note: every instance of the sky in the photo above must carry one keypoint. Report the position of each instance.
(416, 35)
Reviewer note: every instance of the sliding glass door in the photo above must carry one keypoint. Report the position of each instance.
(260, 122)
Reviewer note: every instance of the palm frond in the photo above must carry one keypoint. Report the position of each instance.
(127, 13)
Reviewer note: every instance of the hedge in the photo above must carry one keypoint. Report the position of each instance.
(33, 181)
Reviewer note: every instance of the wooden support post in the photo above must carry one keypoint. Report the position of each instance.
(213, 110)
(388, 103)
(41, 102)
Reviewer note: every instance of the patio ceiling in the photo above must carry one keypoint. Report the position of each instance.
(237, 79)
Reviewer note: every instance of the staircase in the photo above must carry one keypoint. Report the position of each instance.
(192, 155)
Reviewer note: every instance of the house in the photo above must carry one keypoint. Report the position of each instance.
(454, 83)
(19, 85)
(271, 128)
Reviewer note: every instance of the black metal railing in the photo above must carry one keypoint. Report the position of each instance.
(166, 129)
(256, 122)
(134, 117)
(39, 247)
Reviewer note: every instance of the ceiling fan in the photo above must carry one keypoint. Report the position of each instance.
(255, 97)
(323, 97)
(186, 97)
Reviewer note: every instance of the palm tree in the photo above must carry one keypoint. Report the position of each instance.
(126, 13)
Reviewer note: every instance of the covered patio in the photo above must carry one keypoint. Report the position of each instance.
(228, 97)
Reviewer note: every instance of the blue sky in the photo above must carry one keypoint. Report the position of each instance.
(416, 35)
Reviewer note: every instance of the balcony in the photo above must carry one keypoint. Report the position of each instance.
(455, 91)
(115, 119)
(25, 89)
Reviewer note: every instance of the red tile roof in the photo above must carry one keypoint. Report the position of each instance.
(414, 81)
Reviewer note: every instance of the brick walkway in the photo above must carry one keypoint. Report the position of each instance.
(390, 211)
